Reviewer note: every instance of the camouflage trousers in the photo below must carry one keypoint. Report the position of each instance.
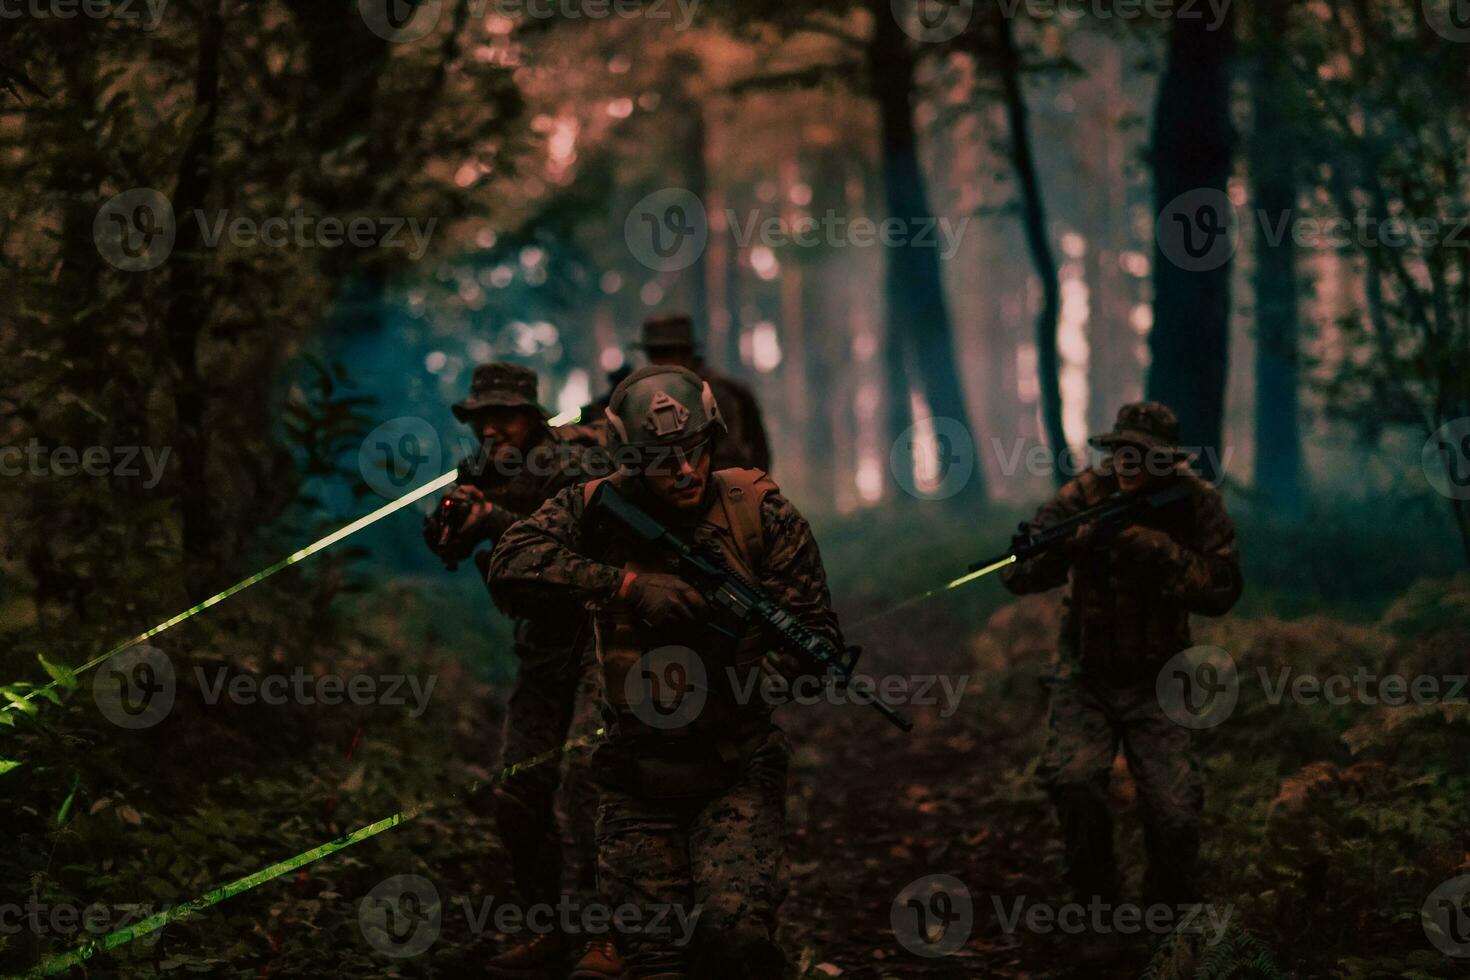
(716, 859)
(1089, 722)
(550, 705)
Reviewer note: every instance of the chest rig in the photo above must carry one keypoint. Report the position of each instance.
(697, 679)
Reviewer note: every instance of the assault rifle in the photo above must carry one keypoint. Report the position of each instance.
(1117, 512)
(708, 572)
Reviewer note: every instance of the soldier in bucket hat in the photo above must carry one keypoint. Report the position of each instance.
(669, 340)
(521, 462)
(1126, 614)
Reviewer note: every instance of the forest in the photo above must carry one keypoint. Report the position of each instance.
(251, 254)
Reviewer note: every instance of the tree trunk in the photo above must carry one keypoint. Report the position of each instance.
(918, 316)
(1038, 242)
(1278, 445)
(1193, 143)
(190, 303)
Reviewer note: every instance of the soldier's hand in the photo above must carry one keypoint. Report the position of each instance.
(1145, 545)
(1083, 538)
(660, 599)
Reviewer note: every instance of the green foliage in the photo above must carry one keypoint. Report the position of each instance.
(1237, 955)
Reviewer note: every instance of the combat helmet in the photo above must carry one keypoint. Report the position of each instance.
(662, 405)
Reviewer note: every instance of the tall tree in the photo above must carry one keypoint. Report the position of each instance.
(919, 324)
(1005, 54)
(1273, 161)
(191, 299)
(1192, 155)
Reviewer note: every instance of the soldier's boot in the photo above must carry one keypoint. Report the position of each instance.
(543, 956)
(600, 961)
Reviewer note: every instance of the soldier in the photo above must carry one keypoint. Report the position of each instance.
(1126, 614)
(596, 410)
(521, 463)
(693, 797)
(669, 340)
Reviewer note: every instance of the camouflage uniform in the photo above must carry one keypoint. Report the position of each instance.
(555, 693)
(694, 816)
(1124, 618)
(745, 445)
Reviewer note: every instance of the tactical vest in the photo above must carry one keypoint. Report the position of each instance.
(655, 673)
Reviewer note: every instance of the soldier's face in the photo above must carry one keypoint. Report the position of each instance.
(503, 431)
(679, 475)
(1138, 468)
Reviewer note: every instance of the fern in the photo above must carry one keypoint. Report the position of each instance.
(1237, 956)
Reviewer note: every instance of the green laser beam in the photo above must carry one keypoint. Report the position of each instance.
(121, 937)
(260, 576)
(566, 418)
(996, 566)
(915, 600)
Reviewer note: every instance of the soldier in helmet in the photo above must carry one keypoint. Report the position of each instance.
(669, 340)
(1127, 613)
(522, 462)
(693, 772)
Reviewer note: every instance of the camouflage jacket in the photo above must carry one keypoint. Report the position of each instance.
(561, 555)
(745, 445)
(565, 457)
(1123, 618)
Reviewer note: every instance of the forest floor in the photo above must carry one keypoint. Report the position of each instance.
(1321, 835)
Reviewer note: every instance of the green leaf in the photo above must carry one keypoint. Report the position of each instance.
(8, 764)
(61, 675)
(21, 704)
(66, 803)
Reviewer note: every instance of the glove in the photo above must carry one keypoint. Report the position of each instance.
(1146, 546)
(1083, 538)
(453, 545)
(659, 599)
